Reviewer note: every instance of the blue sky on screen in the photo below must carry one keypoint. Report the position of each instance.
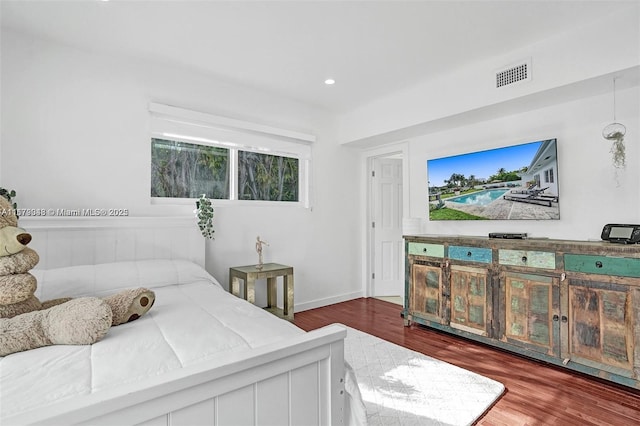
(481, 164)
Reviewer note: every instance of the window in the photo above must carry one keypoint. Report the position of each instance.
(184, 170)
(267, 177)
(225, 159)
(548, 176)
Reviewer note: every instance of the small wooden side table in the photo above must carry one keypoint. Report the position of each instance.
(271, 271)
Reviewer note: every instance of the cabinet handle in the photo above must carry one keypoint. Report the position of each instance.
(424, 250)
(556, 318)
(524, 259)
(598, 264)
(468, 254)
(564, 318)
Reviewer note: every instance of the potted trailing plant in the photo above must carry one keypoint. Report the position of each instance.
(204, 213)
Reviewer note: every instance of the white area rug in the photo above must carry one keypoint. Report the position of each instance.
(403, 387)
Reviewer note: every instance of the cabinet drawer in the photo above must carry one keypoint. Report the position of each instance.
(603, 265)
(424, 249)
(531, 259)
(470, 254)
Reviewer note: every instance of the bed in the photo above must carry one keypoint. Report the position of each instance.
(200, 356)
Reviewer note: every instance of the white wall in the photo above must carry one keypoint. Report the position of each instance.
(608, 45)
(75, 135)
(569, 98)
(592, 192)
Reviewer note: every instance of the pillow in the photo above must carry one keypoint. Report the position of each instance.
(106, 278)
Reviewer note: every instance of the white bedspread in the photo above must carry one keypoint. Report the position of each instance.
(192, 320)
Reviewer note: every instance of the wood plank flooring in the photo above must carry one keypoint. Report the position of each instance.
(537, 393)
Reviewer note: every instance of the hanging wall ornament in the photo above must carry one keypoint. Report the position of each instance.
(615, 132)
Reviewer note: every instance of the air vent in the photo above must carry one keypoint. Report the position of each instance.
(513, 74)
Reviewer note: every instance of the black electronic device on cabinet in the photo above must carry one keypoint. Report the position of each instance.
(508, 235)
(621, 233)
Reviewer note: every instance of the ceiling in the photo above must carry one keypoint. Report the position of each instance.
(288, 48)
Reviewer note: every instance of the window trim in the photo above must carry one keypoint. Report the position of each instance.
(168, 111)
(173, 123)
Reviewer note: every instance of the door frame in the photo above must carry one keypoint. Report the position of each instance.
(401, 151)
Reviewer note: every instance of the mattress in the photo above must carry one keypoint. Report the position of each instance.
(193, 319)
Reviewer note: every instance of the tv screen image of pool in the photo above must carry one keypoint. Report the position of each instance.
(515, 182)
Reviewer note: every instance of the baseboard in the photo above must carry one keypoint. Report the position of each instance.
(318, 303)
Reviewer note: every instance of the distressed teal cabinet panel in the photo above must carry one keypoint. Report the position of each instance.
(426, 297)
(470, 254)
(424, 249)
(603, 265)
(530, 314)
(531, 259)
(601, 333)
(470, 299)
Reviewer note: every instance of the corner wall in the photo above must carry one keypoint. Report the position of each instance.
(583, 55)
(569, 97)
(75, 135)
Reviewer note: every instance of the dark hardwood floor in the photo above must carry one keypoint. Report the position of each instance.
(536, 393)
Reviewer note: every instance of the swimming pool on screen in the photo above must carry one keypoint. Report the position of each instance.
(481, 198)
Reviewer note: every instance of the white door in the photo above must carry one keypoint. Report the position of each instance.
(388, 251)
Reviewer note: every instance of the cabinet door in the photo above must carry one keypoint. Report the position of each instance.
(469, 296)
(601, 326)
(426, 298)
(531, 307)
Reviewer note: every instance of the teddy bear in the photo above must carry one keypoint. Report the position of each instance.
(27, 323)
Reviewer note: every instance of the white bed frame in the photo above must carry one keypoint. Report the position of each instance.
(65, 241)
(300, 382)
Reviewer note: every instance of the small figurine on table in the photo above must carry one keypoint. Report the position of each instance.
(259, 244)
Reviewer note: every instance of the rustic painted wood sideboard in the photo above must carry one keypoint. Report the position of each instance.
(571, 303)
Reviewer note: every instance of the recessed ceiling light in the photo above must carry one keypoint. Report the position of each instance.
(329, 81)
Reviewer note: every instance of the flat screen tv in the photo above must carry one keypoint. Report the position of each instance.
(506, 183)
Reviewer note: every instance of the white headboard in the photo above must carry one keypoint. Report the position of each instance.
(70, 241)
